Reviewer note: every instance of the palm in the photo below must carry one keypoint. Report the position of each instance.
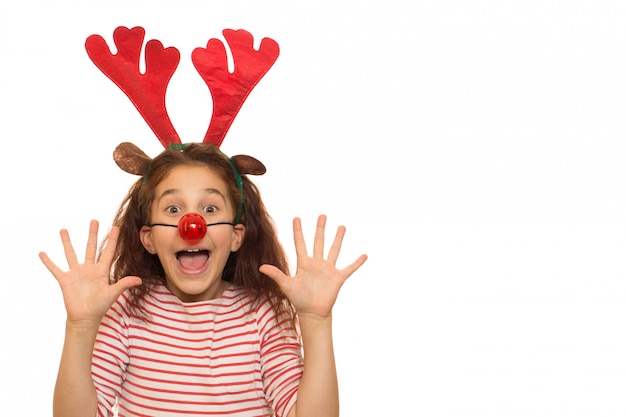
(316, 284)
(87, 293)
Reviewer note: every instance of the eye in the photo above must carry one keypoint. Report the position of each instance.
(172, 209)
(209, 209)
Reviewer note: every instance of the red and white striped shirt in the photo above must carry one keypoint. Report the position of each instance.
(210, 358)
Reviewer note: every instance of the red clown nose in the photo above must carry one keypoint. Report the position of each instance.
(192, 227)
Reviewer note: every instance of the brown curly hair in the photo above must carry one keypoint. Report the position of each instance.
(260, 244)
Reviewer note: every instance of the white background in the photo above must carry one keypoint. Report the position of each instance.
(475, 150)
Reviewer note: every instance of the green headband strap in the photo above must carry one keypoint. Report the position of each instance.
(239, 182)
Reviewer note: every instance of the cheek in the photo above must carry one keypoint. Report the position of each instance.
(222, 239)
(162, 235)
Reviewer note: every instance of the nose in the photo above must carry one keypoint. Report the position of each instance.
(192, 227)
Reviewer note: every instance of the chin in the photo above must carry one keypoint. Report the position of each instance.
(191, 290)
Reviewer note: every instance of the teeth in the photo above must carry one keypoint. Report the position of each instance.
(192, 250)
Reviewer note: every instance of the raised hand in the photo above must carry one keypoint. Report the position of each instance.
(314, 288)
(87, 293)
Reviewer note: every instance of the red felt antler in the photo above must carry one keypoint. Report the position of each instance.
(229, 91)
(146, 91)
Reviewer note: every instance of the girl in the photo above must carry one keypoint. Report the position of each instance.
(177, 316)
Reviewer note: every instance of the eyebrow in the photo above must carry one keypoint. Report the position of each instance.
(174, 191)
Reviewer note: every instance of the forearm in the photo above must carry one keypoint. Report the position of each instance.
(74, 392)
(318, 393)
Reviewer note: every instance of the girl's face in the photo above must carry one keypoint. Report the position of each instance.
(192, 271)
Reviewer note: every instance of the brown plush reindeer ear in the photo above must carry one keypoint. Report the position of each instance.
(248, 165)
(131, 159)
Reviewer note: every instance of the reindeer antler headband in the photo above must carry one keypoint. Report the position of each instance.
(147, 91)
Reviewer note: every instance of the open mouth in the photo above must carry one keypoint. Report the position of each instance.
(192, 259)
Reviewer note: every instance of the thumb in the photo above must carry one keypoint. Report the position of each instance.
(125, 283)
(274, 273)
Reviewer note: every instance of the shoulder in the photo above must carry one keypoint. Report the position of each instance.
(258, 307)
(245, 299)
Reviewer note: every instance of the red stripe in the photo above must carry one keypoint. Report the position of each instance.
(163, 382)
(192, 412)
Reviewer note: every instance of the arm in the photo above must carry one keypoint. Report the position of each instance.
(313, 292)
(318, 391)
(74, 392)
(87, 296)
